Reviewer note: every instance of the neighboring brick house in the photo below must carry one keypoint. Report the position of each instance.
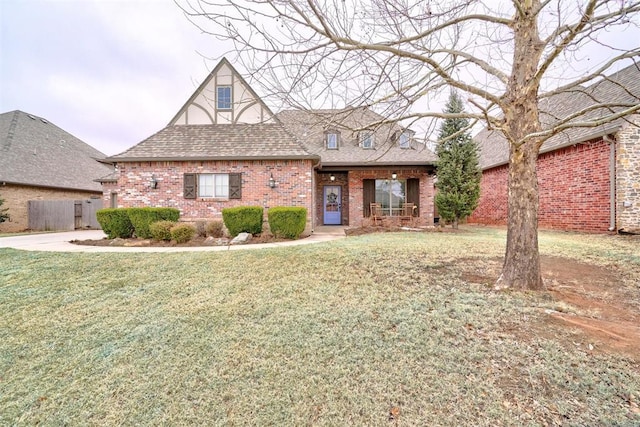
(40, 161)
(225, 148)
(588, 178)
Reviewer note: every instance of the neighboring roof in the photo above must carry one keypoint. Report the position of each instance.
(622, 87)
(309, 127)
(35, 152)
(217, 142)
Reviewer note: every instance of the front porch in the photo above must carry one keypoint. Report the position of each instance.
(344, 196)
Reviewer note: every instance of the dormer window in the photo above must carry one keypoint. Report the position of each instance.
(223, 97)
(366, 140)
(332, 139)
(404, 141)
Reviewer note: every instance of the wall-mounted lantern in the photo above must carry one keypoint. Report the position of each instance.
(154, 182)
(332, 177)
(272, 182)
(394, 175)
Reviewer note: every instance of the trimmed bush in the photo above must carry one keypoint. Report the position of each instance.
(215, 229)
(115, 222)
(243, 219)
(182, 233)
(161, 230)
(287, 221)
(201, 228)
(141, 218)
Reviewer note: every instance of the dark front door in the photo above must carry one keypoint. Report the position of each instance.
(332, 205)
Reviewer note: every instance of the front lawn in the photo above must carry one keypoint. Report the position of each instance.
(384, 329)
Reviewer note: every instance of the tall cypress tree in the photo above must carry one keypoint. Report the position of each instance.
(458, 171)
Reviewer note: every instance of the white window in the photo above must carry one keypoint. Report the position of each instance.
(404, 140)
(332, 141)
(366, 140)
(213, 185)
(224, 97)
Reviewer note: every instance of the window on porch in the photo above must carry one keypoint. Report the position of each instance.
(390, 194)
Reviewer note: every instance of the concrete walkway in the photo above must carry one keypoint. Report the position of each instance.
(59, 242)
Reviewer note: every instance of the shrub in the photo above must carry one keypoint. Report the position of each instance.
(287, 221)
(243, 219)
(201, 228)
(161, 230)
(141, 218)
(115, 222)
(4, 216)
(182, 233)
(215, 229)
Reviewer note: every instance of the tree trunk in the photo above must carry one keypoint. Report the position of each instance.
(521, 269)
(454, 224)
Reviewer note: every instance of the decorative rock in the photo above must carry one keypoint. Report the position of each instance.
(241, 238)
(117, 242)
(140, 243)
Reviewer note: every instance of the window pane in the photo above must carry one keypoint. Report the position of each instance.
(391, 193)
(222, 185)
(366, 138)
(332, 141)
(205, 185)
(224, 97)
(404, 140)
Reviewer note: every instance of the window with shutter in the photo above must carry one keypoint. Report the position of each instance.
(189, 187)
(413, 193)
(235, 185)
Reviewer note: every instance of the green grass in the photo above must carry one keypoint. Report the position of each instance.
(325, 334)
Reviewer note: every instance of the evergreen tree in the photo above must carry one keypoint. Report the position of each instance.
(458, 171)
(4, 216)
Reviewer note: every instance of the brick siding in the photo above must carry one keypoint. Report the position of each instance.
(16, 198)
(573, 184)
(293, 186)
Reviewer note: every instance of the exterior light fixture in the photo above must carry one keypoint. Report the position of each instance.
(332, 177)
(394, 175)
(272, 182)
(154, 182)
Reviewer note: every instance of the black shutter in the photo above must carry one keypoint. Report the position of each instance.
(368, 195)
(190, 186)
(235, 185)
(413, 193)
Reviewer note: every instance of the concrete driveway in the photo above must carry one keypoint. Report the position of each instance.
(59, 242)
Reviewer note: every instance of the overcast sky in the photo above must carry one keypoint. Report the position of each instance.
(111, 72)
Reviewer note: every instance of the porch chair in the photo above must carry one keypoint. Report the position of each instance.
(376, 213)
(407, 213)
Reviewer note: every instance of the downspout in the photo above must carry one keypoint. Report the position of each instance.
(314, 168)
(612, 181)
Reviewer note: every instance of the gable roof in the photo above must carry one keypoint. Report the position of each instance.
(309, 126)
(34, 151)
(622, 87)
(262, 141)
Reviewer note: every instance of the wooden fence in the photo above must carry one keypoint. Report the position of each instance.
(50, 215)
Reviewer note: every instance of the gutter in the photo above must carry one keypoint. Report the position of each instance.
(612, 182)
(203, 158)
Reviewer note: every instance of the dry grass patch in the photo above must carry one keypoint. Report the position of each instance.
(337, 333)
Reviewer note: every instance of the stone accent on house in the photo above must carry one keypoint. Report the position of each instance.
(16, 198)
(356, 199)
(628, 176)
(574, 187)
(294, 186)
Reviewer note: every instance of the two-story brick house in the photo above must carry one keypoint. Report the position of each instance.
(226, 148)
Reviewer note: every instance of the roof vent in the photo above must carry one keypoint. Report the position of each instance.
(31, 117)
(44, 121)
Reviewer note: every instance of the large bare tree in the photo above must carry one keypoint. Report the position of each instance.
(396, 56)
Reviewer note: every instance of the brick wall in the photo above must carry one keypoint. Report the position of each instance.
(16, 198)
(293, 186)
(628, 176)
(573, 184)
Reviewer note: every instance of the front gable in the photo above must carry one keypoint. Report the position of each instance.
(223, 98)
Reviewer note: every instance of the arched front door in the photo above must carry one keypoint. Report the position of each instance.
(332, 205)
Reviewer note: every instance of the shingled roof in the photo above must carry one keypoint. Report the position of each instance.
(35, 152)
(622, 87)
(262, 141)
(309, 127)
